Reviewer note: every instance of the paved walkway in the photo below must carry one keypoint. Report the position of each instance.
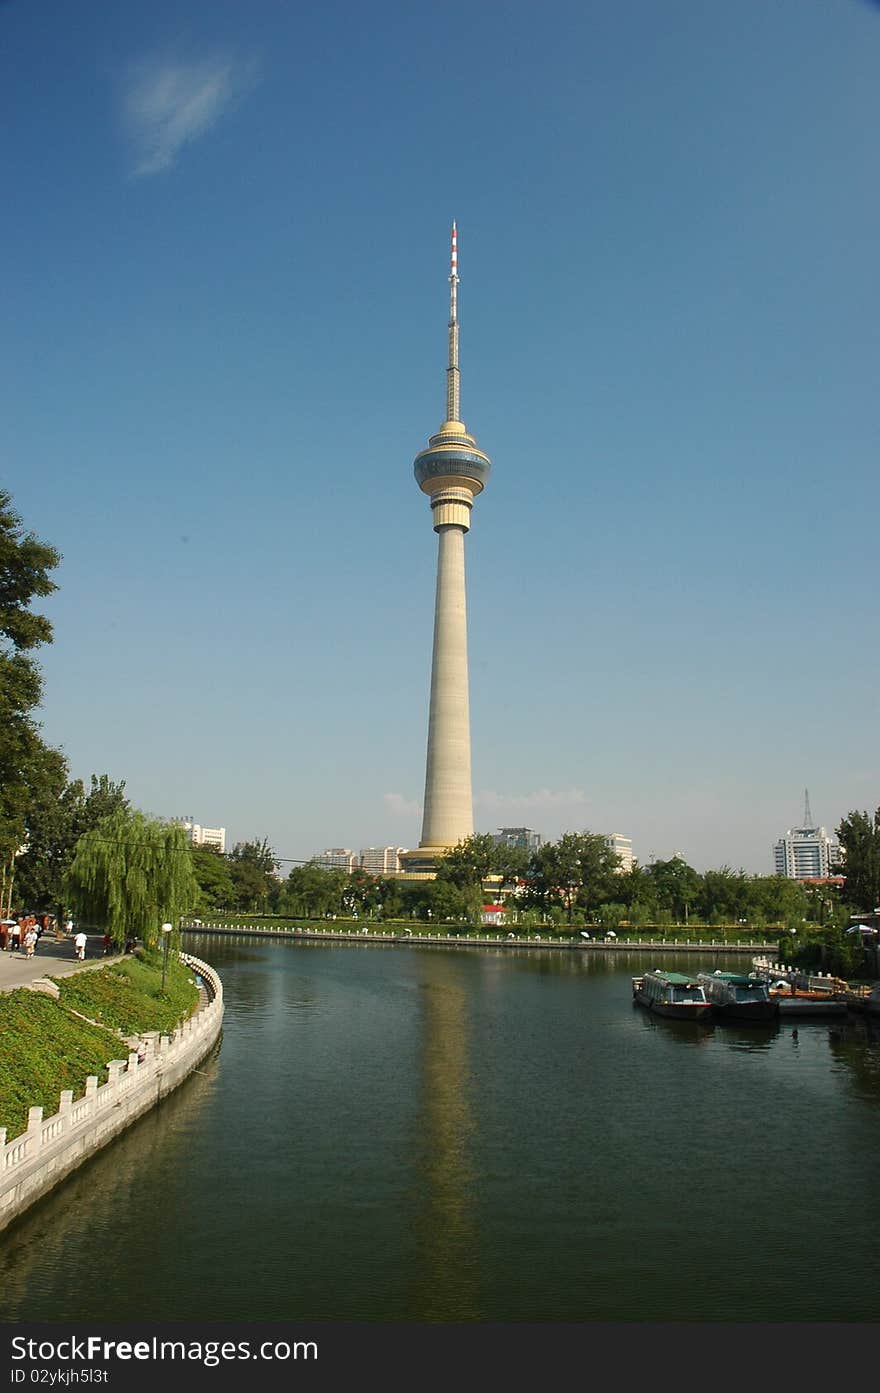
(53, 958)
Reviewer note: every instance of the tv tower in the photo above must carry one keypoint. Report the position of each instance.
(451, 471)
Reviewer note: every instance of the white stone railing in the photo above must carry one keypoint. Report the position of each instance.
(50, 1147)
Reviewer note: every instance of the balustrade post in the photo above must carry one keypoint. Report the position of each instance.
(66, 1100)
(35, 1123)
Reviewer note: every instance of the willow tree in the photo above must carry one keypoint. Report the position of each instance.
(130, 875)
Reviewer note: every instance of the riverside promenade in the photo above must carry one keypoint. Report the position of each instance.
(54, 957)
(510, 941)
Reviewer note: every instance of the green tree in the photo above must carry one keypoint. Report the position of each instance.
(676, 885)
(724, 896)
(214, 878)
(131, 874)
(25, 563)
(859, 837)
(312, 891)
(467, 865)
(438, 901)
(60, 813)
(362, 893)
(253, 867)
(776, 899)
(579, 871)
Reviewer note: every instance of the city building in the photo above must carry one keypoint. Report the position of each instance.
(806, 852)
(381, 860)
(451, 471)
(336, 858)
(523, 838)
(624, 848)
(204, 836)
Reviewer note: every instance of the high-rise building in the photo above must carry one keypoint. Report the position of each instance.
(806, 852)
(381, 860)
(523, 838)
(336, 858)
(451, 471)
(205, 836)
(624, 848)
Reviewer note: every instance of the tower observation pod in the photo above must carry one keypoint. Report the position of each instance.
(451, 470)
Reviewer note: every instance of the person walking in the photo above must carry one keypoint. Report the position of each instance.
(30, 942)
(79, 944)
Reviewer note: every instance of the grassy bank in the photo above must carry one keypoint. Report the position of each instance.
(45, 1047)
(128, 996)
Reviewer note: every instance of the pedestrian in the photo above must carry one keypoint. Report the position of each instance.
(68, 928)
(30, 942)
(106, 944)
(4, 936)
(79, 944)
(15, 936)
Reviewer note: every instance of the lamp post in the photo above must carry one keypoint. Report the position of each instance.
(166, 934)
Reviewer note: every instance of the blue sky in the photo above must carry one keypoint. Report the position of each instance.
(225, 258)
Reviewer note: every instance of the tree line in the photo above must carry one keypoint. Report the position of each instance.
(66, 847)
(575, 881)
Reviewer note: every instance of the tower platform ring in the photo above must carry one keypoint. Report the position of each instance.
(443, 461)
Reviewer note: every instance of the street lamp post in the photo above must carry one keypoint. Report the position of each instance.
(166, 934)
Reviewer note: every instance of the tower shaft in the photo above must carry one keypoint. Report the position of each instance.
(448, 814)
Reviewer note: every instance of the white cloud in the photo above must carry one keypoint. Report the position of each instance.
(168, 103)
(399, 806)
(543, 799)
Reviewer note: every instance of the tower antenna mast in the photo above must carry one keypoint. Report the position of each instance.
(453, 374)
(808, 816)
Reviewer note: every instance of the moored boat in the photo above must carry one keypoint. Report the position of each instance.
(731, 994)
(672, 994)
(806, 1003)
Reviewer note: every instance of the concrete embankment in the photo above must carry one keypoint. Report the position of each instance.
(51, 1147)
(428, 940)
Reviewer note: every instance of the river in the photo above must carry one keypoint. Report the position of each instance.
(438, 1135)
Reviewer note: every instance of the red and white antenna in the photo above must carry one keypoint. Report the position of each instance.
(453, 377)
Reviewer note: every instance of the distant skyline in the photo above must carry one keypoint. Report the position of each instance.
(225, 270)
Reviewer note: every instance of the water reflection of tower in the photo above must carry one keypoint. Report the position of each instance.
(445, 1228)
(451, 470)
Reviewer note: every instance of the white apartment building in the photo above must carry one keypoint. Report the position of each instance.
(624, 849)
(205, 836)
(380, 860)
(805, 853)
(336, 858)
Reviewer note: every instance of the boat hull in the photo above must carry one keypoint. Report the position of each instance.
(746, 1010)
(810, 1006)
(675, 1010)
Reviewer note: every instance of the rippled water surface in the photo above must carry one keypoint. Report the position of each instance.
(412, 1134)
